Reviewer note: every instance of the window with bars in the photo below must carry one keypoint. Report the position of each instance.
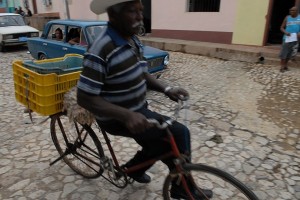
(204, 5)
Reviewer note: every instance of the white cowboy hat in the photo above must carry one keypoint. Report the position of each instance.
(99, 6)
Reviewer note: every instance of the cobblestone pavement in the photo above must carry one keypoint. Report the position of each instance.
(253, 107)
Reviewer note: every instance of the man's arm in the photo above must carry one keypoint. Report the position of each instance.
(155, 84)
(172, 93)
(283, 26)
(135, 122)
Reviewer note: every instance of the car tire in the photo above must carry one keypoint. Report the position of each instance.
(42, 56)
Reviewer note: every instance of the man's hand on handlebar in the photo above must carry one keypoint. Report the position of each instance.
(137, 123)
(177, 93)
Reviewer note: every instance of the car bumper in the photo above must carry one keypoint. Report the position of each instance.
(156, 64)
(13, 42)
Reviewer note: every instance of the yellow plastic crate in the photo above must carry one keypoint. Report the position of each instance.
(42, 93)
(64, 65)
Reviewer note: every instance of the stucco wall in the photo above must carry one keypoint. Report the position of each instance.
(250, 22)
(238, 22)
(79, 9)
(173, 15)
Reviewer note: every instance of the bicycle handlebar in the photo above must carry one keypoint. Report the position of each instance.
(170, 121)
(163, 125)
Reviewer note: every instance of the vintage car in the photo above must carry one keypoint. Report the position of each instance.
(14, 31)
(76, 36)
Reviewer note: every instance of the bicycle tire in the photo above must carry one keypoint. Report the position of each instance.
(78, 146)
(223, 185)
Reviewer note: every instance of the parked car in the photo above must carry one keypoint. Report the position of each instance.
(77, 35)
(14, 31)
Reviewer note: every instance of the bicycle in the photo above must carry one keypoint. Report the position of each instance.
(84, 153)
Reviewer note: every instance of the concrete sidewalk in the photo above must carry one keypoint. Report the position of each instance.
(253, 54)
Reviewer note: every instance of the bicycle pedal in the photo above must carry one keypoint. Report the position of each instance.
(118, 174)
(130, 180)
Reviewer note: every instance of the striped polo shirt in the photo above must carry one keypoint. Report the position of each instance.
(113, 68)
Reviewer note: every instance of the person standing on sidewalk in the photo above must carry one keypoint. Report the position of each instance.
(113, 86)
(291, 29)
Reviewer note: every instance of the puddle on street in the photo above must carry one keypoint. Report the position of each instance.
(280, 103)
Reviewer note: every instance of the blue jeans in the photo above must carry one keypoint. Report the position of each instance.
(152, 140)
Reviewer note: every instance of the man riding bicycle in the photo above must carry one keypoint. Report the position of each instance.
(113, 86)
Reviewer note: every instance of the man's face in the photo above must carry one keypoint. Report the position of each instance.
(293, 11)
(129, 19)
(58, 35)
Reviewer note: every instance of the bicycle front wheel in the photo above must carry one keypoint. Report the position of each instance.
(77, 145)
(223, 185)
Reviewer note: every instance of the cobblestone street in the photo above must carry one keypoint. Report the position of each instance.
(254, 108)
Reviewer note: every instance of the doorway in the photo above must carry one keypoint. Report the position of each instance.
(147, 15)
(279, 11)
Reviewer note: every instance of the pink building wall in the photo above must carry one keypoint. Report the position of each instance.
(79, 9)
(201, 26)
(169, 19)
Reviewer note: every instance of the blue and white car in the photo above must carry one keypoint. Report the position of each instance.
(14, 31)
(49, 46)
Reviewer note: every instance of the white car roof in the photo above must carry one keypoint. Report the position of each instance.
(5, 14)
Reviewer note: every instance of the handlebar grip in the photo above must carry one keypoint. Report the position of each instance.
(183, 98)
(163, 125)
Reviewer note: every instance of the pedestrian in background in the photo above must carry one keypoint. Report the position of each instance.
(58, 34)
(17, 11)
(291, 29)
(21, 11)
(29, 13)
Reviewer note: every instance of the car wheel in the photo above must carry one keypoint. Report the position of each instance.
(42, 56)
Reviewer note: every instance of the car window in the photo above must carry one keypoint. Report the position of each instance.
(76, 35)
(73, 34)
(11, 20)
(56, 32)
(93, 32)
(83, 41)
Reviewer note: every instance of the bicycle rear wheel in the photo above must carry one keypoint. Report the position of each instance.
(77, 145)
(223, 185)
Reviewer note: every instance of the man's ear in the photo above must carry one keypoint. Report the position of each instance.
(114, 18)
(111, 19)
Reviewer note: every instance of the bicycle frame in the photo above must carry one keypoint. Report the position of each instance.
(178, 160)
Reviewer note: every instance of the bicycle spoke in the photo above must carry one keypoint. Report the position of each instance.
(95, 154)
(92, 154)
(86, 164)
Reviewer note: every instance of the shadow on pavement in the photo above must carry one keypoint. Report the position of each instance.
(15, 48)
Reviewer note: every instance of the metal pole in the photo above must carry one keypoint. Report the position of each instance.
(67, 9)
(14, 3)
(6, 5)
